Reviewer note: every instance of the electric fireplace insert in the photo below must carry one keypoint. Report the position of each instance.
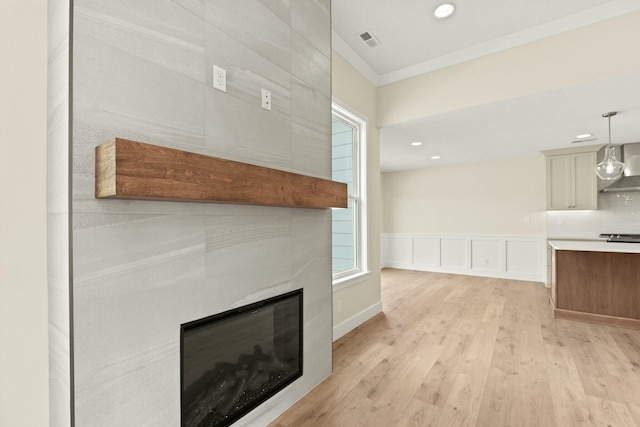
(233, 361)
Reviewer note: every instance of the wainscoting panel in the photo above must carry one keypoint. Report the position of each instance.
(426, 251)
(509, 257)
(523, 257)
(401, 250)
(454, 252)
(487, 254)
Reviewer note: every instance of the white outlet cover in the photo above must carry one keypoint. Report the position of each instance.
(266, 99)
(219, 78)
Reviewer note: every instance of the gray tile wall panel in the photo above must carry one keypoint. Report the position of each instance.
(143, 72)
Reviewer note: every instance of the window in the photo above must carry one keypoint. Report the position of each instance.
(348, 136)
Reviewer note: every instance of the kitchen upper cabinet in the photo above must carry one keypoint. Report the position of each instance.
(571, 180)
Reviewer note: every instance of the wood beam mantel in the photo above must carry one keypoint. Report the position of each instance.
(134, 170)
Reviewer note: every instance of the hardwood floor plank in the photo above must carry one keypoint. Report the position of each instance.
(435, 387)
(420, 414)
(609, 413)
(569, 398)
(634, 411)
(470, 351)
(629, 343)
(615, 361)
(463, 405)
(370, 385)
(596, 380)
(349, 412)
(479, 354)
(402, 382)
(496, 399)
(493, 309)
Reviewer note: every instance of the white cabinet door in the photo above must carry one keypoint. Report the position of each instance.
(585, 183)
(559, 182)
(571, 182)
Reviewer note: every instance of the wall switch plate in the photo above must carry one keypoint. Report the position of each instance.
(219, 78)
(266, 99)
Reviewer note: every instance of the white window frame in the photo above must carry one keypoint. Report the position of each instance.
(359, 124)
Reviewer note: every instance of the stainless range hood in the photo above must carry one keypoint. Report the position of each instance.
(630, 181)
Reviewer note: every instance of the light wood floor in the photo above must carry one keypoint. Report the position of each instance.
(464, 351)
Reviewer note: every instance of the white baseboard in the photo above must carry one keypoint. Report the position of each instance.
(356, 320)
(466, 272)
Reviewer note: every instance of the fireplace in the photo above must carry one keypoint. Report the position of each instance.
(233, 361)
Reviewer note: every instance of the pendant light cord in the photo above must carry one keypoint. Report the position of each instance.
(608, 116)
(609, 119)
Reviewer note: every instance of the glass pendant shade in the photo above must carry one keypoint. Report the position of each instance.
(610, 168)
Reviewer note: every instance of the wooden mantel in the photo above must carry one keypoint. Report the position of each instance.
(135, 170)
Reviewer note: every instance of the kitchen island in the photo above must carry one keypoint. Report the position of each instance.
(596, 281)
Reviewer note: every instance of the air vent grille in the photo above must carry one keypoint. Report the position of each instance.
(369, 38)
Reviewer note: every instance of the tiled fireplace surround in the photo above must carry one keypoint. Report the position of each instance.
(138, 269)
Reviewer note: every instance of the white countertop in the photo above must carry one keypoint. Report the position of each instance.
(594, 246)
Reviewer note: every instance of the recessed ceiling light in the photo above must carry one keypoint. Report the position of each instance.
(416, 143)
(445, 10)
(435, 157)
(583, 135)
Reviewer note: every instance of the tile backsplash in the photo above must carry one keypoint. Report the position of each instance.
(617, 213)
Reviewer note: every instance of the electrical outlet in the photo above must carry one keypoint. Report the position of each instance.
(266, 99)
(339, 306)
(219, 78)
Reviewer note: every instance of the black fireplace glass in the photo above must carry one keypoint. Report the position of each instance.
(233, 361)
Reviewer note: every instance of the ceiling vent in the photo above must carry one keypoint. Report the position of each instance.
(368, 37)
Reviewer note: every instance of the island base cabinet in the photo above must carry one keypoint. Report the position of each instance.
(600, 287)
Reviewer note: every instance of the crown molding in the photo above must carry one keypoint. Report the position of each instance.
(339, 45)
(591, 16)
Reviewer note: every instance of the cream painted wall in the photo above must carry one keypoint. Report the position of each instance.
(572, 58)
(483, 198)
(23, 258)
(352, 90)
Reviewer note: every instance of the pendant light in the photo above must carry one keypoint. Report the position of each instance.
(609, 168)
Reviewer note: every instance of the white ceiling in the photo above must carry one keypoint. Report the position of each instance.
(413, 42)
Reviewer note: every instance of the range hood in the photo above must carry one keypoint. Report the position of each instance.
(630, 181)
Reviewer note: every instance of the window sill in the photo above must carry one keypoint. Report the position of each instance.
(347, 281)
